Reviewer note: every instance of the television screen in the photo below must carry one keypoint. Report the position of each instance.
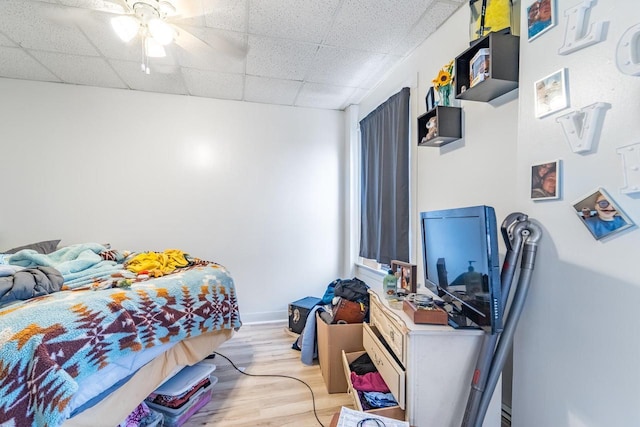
(461, 264)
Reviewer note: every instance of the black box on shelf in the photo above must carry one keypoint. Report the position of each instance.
(298, 312)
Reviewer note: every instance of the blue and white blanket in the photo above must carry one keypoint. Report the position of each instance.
(79, 264)
(49, 343)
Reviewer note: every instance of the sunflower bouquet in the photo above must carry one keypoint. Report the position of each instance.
(443, 82)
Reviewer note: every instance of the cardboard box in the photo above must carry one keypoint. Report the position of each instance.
(298, 312)
(332, 339)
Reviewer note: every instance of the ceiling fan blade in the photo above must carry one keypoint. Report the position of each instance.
(109, 6)
(63, 15)
(73, 12)
(207, 42)
(186, 9)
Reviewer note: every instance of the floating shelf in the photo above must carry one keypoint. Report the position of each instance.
(448, 124)
(504, 58)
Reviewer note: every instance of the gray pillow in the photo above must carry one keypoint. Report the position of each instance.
(45, 247)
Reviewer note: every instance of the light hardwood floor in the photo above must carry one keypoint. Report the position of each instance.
(245, 401)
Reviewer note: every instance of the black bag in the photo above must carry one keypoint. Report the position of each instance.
(352, 289)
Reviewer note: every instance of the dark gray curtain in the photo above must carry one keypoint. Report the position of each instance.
(384, 198)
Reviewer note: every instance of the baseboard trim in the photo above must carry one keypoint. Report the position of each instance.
(264, 317)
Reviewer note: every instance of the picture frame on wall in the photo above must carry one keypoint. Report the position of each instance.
(406, 274)
(545, 180)
(551, 93)
(601, 215)
(541, 17)
(430, 99)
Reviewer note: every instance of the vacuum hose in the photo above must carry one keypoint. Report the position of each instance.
(527, 265)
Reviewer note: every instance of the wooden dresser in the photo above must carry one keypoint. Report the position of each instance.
(428, 368)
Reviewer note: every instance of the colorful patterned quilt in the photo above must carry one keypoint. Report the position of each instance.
(49, 343)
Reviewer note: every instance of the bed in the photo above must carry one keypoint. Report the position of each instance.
(120, 324)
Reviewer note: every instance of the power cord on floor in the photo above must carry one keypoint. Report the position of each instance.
(313, 398)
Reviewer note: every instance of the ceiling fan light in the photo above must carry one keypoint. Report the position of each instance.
(162, 32)
(153, 49)
(126, 27)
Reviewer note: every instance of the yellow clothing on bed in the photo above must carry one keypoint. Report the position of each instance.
(158, 263)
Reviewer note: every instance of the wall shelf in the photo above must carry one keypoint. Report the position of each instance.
(504, 55)
(448, 124)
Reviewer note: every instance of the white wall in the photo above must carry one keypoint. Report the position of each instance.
(255, 187)
(576, 347)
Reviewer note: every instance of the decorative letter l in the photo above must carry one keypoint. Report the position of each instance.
(576, 27)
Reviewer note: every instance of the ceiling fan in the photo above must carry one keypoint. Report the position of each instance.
(148, 18)
(154, 22)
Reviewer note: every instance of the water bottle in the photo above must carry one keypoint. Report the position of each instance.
(389, 284)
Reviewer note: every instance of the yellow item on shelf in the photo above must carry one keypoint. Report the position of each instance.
(498, 15)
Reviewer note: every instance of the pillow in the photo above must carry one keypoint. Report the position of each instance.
(45, 247)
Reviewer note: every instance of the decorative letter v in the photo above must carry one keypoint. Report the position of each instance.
(581, 127)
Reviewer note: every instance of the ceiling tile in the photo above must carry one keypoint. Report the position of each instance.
(306, 20)
(356, 97)
(5, 41)
(271, 91)
(42, 26)
(344, 67)
(282, 59)
(376, 75)
(212, 84)
(226, 14)
(374, 26)
(83, 70)
(157, 81)
(286, 52)
(17, 64)
(431, 19)
(323, 96)
(112, 6)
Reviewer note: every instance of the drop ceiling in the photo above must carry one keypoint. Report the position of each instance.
(309, 53)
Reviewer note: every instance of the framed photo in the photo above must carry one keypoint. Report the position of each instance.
(406, 274)
(545, 180)
(541, 17)
(551, 94)
(430, 99)
(601, 215)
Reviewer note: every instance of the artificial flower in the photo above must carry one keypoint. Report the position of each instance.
(443, 82)
(443, 79)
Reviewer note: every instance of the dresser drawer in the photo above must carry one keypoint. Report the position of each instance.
(392, 372)
(389, 329)
(395, 412)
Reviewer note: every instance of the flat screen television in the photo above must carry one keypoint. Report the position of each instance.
(462, 265)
